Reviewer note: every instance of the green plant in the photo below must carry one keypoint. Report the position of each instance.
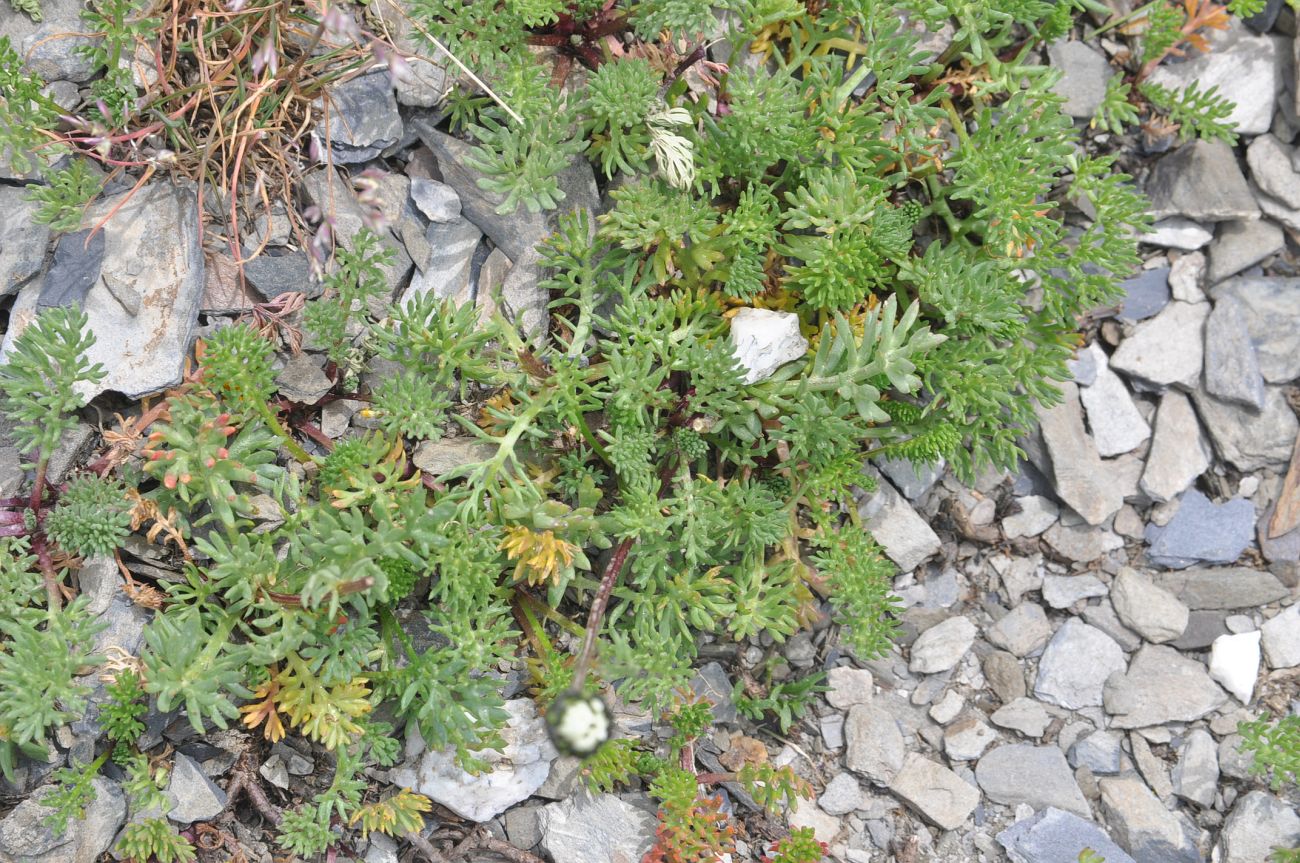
(65, 196)
(153, 839)
(121, 716)
(92, 516)
(71, 794)
(787, 700)
(1275, 746)
(1199, 113)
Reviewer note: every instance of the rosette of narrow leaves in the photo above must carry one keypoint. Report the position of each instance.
(92, 517)
(65, 196)
(42, 378)
(43, 655)
(154, 840)
(615, 107)
(190, 663)
(237, 368)
(201, 458)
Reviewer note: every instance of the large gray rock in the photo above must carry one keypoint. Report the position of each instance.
(596, 829)
(1037, 775)
(1082, 480)
(1075, 665)
(448, 272)
(1084, 73)
(1055, 836)
(363, 118)
(906, 537)
(1063, 591)
(1100, 752)
(22, 239)
(151, 254)
(1179, 453)
(1022, 630)
(1202, 181)
(1250, 440)
(24, 837)
(1257, 824)
(1196, 775)
(1166, 349)
(942, 646)
(1161, 685)
(1222, 587)
(967, 738)
(875, 743)
(1036, 514)
(940, 796)
(1231, 368)
(1202, 532)
(1271, 169)
(513, 773)
(1242, 244)
(437, 201)
(194, 796)
(1272, 310)
(1144, 295)
(1245, 68)
(1142, 825)
(1024, 715)
(1152, 612)
(1281, 639)
(1117, 425)
(911, 478)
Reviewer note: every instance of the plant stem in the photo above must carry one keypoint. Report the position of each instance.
(598, 605)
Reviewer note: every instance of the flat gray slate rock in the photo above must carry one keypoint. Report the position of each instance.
(1056, 836)
(1201, 181)
(1202, 532)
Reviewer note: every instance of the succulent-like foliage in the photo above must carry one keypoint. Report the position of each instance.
(154, 839)
(41, 378)
(92, 516)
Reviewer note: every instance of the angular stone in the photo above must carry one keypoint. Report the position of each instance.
(942, 646)
(1152, 612)
(1022, 630)
(1271, 169)
(1244, 67)
(1142, 825)
(424, 87)
(273, 275)
(1099, 752)
(1054, 836)
(25, 837)
(1201, 181)
(1004, 675)
(302, 380)
(1081, 479)
(1117, 425)
(1075, 665)
(1231, 369)
(450, 267)
(1161, 685)
(1186, 277)
(906, 537)
(1037, 775)
(1036, 515)
(967, 738)
(1023, 715)
(712, 684)
(512, 774)
(77, 266)
(1196, 775)
(1258, 823)
(1234, 663)
(1063, 591)
(441, 456)
(1272, 310)
(1144, 295)
(338, 200)
(841, 796)
(1084, 73)
(1166, 349)
(1242, 244)
(875, 744)
(1179, 453)
(22, 239)
(1202, 532)
(1151, 768)
(438, 201)
(599, 828)
(363, 118)
(1281, 639)
(1176, 232)
(194, 796)
(1250, 440)
(1223, 587)
(848, 686)
(940, 796)
(910, 478)
(764, 340)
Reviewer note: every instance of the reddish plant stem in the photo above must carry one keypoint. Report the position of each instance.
(598, 605)
(293, 600)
